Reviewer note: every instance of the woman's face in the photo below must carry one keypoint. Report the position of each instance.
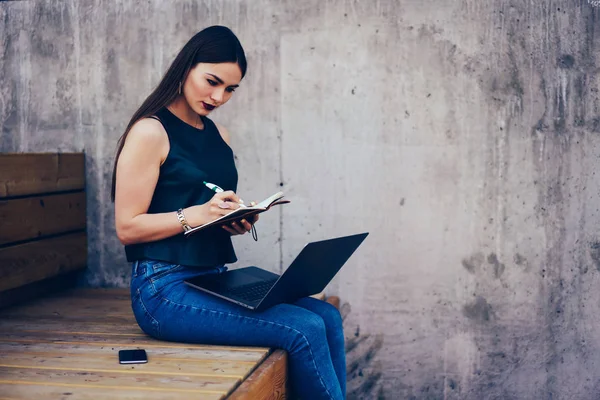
(209, 86)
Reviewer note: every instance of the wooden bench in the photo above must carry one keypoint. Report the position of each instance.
(65, 344)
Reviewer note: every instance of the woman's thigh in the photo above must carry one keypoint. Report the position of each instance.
(168, 309)
(189, 315)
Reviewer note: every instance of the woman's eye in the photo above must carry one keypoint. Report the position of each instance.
(230, 90)
(212, 83)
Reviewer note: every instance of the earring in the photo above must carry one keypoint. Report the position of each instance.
(179, 91)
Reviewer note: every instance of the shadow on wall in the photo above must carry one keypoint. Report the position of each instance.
(364, 373)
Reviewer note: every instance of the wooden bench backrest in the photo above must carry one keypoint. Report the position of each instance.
(42, 223)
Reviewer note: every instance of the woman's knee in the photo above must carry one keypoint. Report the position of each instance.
(309, 330)
(331, 315)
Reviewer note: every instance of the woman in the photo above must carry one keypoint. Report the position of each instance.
(168, 150)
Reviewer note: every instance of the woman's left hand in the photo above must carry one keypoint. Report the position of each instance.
(240, 227)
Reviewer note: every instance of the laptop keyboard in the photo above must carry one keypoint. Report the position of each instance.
(252, 291)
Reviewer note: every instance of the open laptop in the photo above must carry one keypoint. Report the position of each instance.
(309, 273)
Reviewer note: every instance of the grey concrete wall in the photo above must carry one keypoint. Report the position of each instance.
(464, 135)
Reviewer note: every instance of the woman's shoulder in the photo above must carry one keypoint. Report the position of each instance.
(148, 129)
(223, 131)
(149, 136)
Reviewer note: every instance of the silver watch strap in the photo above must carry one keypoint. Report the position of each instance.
(182, 220)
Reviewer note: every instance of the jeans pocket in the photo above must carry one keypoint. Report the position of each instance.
(145, 320)
(161, 269)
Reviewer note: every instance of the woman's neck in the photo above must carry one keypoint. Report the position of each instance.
(184, 112)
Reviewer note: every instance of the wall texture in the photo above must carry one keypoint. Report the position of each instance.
(464, 135)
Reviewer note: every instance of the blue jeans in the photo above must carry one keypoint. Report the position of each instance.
(309, 330)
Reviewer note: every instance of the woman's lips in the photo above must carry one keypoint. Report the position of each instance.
(208, 106)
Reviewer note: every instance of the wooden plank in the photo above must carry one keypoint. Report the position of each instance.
(166, 353)
(110, 364)
(90, 339)
(47, 390)
(191, 385)
(268, 381)
(34, 290)
(95, 293)
(78, 307)
(27, 174)
(33, 217)
(223, 360)
(34, 261)
(92, 318)
(96, 328)
(72, 302)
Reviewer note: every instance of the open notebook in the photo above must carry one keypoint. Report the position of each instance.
(243, 212)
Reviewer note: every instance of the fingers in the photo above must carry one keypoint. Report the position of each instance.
(238, 228)
(225, 202)
(246, 225)
(235, 228)
(231, 231)
(228, 196)
(227, 206)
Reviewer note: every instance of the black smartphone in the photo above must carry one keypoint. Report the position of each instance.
(137, 356)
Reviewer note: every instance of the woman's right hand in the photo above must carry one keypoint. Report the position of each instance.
(221, 204)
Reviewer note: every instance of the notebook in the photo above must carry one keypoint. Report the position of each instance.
(243, 212)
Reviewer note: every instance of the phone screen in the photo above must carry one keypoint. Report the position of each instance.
(137, 356)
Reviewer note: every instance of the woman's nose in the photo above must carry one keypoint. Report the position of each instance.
(217, 95)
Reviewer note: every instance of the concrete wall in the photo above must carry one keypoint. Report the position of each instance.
(464, 135)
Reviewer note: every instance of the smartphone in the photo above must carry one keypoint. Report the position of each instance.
(137, 356)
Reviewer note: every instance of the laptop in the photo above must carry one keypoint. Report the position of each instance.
(259, 289)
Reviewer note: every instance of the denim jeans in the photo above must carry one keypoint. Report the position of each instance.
(309, 330)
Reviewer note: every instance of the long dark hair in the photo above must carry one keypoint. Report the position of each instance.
(215, 44)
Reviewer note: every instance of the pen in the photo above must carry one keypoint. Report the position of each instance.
(217, 189)
(212, 187)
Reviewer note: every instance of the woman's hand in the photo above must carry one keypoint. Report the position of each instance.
(241, 227)
(221, 204)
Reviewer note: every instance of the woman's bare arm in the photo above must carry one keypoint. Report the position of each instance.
(146, 147)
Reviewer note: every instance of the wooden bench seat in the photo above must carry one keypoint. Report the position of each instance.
(69, 343)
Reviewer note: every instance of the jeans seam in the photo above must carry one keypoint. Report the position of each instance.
(261, 320)
(156, 323)
(162, 274)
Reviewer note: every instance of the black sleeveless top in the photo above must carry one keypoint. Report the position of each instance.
(195, 155)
